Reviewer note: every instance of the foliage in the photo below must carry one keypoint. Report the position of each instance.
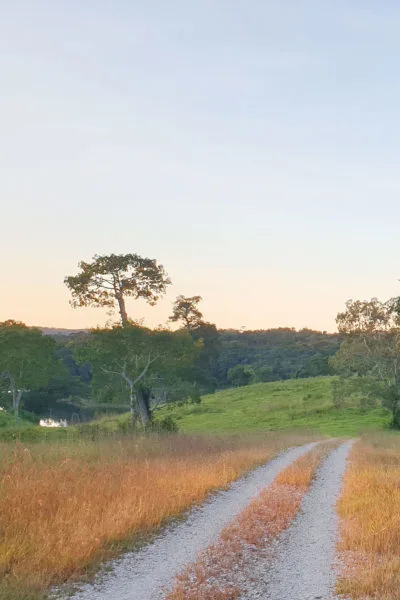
(108, 280)
(27, 360)
(205, 369)
(264, 374)
(67, 392)
(164, 424)
(276, 354)
(186, 309)
(240, 375)
(143, 365)
(371, 350)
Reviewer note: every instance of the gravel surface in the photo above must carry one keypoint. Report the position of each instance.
(144, 575)
(302, 565)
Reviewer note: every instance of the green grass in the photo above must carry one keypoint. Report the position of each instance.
(282, 405)
(305, 404)
(7, 420)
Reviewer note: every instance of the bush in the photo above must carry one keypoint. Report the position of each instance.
(240, 375)
(32, 434)
(166, 424)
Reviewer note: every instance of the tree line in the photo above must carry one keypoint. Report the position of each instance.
(129, 366)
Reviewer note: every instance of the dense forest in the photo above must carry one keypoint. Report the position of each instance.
(272, 354)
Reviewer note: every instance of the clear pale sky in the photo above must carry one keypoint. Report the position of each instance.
(251, 146)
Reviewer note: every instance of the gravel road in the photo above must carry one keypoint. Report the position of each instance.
(302, 566)
(143, 575)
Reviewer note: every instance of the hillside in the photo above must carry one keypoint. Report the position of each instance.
(297, 403)
(276, 354)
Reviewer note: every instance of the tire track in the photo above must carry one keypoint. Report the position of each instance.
(302, 567)
(144, 575)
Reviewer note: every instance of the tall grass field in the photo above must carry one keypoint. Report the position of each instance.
(69, 501)
(65, 506)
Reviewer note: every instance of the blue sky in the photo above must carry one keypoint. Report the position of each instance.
(251, 146)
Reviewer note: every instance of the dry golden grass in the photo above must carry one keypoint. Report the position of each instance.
(62, 507)
(257, 525)
(370, 511)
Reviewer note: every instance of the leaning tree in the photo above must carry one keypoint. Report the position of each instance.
(108, 280)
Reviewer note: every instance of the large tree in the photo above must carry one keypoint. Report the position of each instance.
(27, 360)
(371, 350)
(108, 280)
(138, 360)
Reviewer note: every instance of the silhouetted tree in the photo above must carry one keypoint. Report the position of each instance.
(186, 309)
(108, 280)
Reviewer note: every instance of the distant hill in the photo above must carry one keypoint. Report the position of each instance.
(275, 354)
(61, 331)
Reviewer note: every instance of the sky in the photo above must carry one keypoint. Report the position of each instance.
(251, 146)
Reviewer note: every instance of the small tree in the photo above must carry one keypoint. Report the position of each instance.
(27, 360)
(371, 350)
(186, 309)
(108, 280)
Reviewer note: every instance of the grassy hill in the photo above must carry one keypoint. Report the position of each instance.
(305, 404)
(291, 404)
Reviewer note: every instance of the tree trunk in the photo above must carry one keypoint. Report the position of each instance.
(395, 417)
(17, 395)
(122, 309)
(133, 411)
(144, 406)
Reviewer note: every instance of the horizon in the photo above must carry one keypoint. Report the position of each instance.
(245, 330)
(251, 149)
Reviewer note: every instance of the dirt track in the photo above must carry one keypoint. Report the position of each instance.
(145, 574)
(300, 567)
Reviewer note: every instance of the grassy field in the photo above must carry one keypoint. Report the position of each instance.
(305, 404)
(54, 523)
(7, 420)
(293, 404)
(65, 506)
(369, 508)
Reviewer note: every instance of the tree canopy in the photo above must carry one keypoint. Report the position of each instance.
(109, 279)
(27, 360)
(186, 310)
(371, 350)
(140, 361)
(275, 354)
